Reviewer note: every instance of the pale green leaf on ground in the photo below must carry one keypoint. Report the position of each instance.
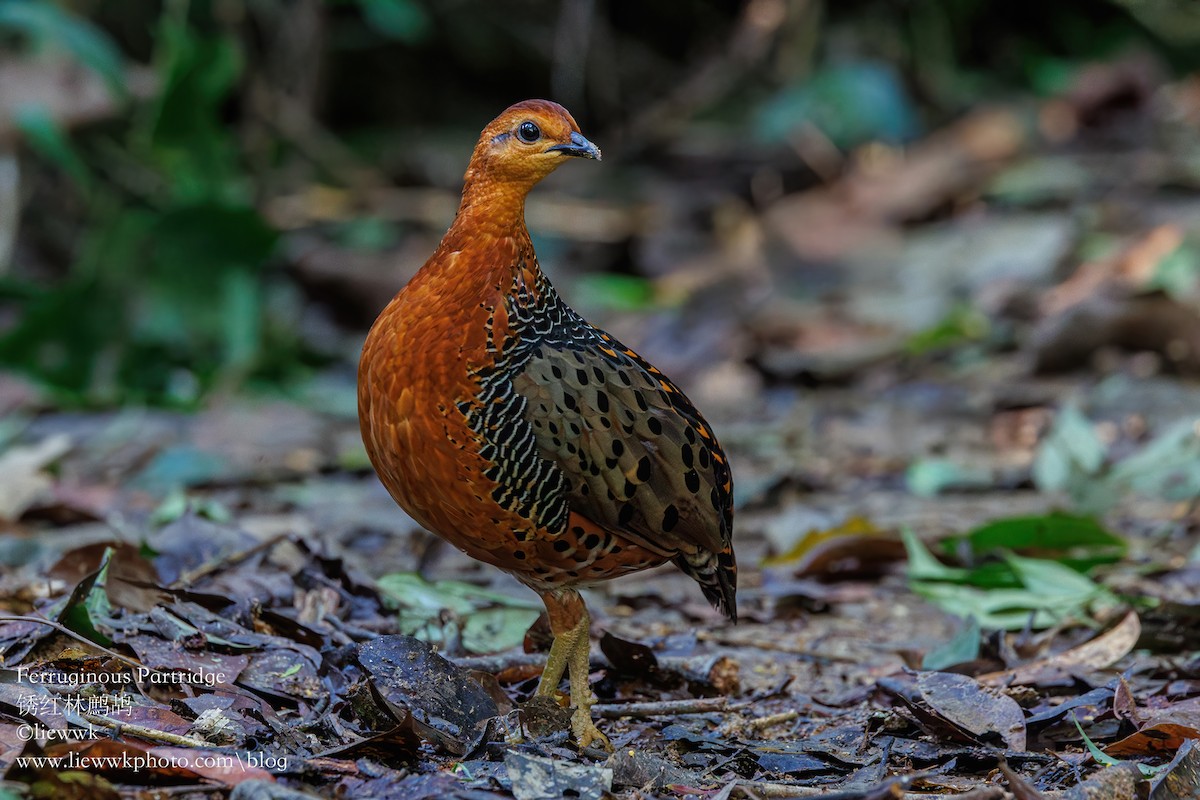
(178, 466)
(1008, 594)
(1048, 578)
(487, 621)
(1178, 273)
(495, 629)
(929, 477)
(1072, 450)
(1167, 467)
(1002, 609)
(958, 649)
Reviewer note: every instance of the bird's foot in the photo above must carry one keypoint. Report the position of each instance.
(586, 732)
(543, 715)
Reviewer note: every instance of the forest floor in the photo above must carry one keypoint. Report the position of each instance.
(986, 350)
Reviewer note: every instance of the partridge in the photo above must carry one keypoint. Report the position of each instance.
(505, 423)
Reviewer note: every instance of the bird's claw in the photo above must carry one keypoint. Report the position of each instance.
(586, 732)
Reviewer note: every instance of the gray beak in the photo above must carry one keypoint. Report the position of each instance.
(579, 146)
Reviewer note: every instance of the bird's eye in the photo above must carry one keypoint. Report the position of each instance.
(528, 132)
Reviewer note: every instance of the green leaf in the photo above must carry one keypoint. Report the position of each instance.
(617, 292)
(1079, 541)
(1178, 272)
(1101, 757)
(962, 325)
(173, 506)
(1055, 531)
(922, 565)
(1040, 180)
(211, 235)
(51, 23)
(1097, 754)
(496, 629)
(959, 649)
(403, 20)
(353, 457)
(1000, 609)
(414, 594)
(1050, 75)
(59, 338)
(992, 575)
(490, 621)
(1008, 595)
(1070, 454)
(413, 591)
(12, 426)
(1167, 467)
(48, 140)
(929, 477)
(371, 234)
(185, 131)
(177, 503)
(179, 466)
(1052, 470)
(87, 603)
(851, 103)
(1050, 579)
(243, 324)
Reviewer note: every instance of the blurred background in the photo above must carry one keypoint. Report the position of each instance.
(218, 195)
(930, 268)
(880, 243)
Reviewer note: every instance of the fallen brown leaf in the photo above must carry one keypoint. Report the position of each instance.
(1164, 732)
(1096, 653)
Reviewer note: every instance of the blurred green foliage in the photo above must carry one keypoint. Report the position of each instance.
(850, 103)
(169, 294)
(961, 325)
(165, 280)
(403, 20)
(48, 25)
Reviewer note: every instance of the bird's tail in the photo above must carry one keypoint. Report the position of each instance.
(717, 575)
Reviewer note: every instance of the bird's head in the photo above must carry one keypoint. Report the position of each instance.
(526, 143)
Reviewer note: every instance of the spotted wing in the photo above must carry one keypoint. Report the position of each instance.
(636, 456)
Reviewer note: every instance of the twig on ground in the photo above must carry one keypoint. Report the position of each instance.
(765, 789)
(772, 719)
(142, 732)
(661, 708)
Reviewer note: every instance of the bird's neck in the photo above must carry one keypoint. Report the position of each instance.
(490, 243)
(493, 207)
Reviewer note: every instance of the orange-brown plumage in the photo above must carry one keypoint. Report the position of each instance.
(503, 422)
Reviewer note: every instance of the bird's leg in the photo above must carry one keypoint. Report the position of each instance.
(582, 725)
(570, 624)
(556, 662)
